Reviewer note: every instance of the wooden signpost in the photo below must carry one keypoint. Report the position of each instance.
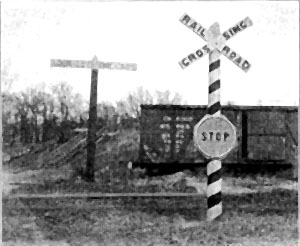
(214, 135)
(94, 65)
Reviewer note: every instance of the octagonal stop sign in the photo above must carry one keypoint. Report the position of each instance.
(215, 136)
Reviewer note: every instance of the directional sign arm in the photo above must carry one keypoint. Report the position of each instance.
(94, 64)
(70, 63)
(236, 58)
(117, 66)
(240, 26)
(195, 26)
(188, 60)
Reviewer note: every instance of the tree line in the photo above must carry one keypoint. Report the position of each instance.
(36, 115)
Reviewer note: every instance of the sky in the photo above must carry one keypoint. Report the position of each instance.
(150, 34)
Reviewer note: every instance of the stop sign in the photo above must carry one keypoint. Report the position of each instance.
(215, 136)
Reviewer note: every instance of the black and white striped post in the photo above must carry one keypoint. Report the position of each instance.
(214, 180)
(214, 135)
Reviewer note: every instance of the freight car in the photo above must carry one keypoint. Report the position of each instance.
(266, 135)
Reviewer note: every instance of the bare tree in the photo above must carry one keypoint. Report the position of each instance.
(165, 97)
(70, 105)
(62, 93)
(131, 105)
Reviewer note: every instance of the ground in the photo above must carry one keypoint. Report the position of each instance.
(257, 209)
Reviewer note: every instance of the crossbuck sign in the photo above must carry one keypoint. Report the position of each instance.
(215, 135)
(215, 40)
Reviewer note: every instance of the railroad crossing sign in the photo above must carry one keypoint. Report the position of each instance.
(215, 40)
(215, 136)
(94, 65)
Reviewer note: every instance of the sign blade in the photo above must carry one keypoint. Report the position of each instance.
(236, 58)
(70, 63)
(195, 26)
(239, 27)
(94, 64)
(191, 58)
(117, 66)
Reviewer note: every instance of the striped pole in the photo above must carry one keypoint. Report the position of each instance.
(214, 181)
(214, 47)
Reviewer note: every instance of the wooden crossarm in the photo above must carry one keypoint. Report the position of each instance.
(237, 59)
(237, 28)
(94, 64)
(195, 26)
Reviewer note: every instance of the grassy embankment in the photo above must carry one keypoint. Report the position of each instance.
(258, 210)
